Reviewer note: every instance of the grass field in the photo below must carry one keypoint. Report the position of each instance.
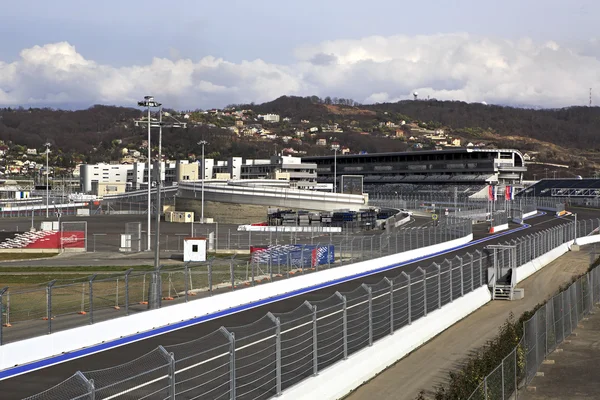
(25, 256)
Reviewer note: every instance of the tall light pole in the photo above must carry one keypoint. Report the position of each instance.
(202, 143)
(334, 169)
(149, 102)
(47, 178)
(158, 185)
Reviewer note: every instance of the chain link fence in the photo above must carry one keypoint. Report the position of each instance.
(262, 359)
(551, 324)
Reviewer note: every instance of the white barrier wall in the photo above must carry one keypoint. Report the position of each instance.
(530, 214)
(530, 268)
(499, 228)
(341, 378)
(179, 316)
(338, 380)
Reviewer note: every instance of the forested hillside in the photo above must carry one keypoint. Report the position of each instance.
(100, 133)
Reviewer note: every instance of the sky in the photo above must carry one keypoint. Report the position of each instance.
(204, 54)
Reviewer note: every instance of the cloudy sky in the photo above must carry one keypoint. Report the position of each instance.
(201, 54)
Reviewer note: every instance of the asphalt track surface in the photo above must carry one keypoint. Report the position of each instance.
(40, 380)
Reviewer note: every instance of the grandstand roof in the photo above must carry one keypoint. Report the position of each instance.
(564, 188)
(413, 153)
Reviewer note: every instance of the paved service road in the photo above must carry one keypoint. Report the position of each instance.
(428, 366)
(38, 381)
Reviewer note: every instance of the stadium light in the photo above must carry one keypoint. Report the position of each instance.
(149, 102)
(47, 178)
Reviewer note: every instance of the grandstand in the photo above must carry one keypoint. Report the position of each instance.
(456, 166)
(564, 188)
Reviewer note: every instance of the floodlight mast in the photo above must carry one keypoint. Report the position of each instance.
(149, 102)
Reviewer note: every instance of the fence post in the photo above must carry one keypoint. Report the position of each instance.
(439, 283)
(210, 276)
(450, 273)
(344, 323)
(424, 291)
(408, 302)
(231, 337)
(171, 359)
(49, 305)
(391, 283)
(231, 273)
(370, 297)
(89, 383)
(2, 291)
(462, 276)
(127, 290)
(277, 352)
(502, 380)
(472, 273)
(314, 323)
(186, 282)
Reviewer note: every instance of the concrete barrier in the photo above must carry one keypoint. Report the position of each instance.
(530, 214)
(530, 268)
(79, 342)
(499, 228)
(338, 380)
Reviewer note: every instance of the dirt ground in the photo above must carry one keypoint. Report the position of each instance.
(428, 366)
(574, 374)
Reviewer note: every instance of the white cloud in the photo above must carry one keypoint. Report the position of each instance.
(372, 69)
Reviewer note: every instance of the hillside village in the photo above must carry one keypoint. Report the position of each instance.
(288, 126)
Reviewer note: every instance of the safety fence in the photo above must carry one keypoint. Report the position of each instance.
(60, 305)
(551, 324)
(262, 359)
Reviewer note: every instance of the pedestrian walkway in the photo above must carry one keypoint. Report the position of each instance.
(428, 367)
(570, 372)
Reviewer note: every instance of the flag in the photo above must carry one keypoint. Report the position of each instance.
(509, 193)
(492, 193)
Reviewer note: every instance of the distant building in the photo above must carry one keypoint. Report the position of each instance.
(187, 171)
(32, 152)
(102, 173)
(399, 133)
(321, 142)
(269, 117)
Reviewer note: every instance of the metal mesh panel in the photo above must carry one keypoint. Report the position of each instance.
(297, 344)
(145, 377)
(357, 316)
(417, 295)
(74, 388)
(330, 331)
(530, 347)
(401, 301)
(255, 359)
(446, 282)
(381, 300)
(202, 367)
(433, 289)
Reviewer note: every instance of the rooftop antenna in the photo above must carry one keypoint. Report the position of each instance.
(415, 94)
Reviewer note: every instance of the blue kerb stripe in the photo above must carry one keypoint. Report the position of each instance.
(22, 369)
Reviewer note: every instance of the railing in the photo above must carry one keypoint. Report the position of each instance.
(61, 305)
(262, 359)
(551, 324)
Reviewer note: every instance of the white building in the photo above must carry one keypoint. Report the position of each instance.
(269, 117)
(102, 173)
